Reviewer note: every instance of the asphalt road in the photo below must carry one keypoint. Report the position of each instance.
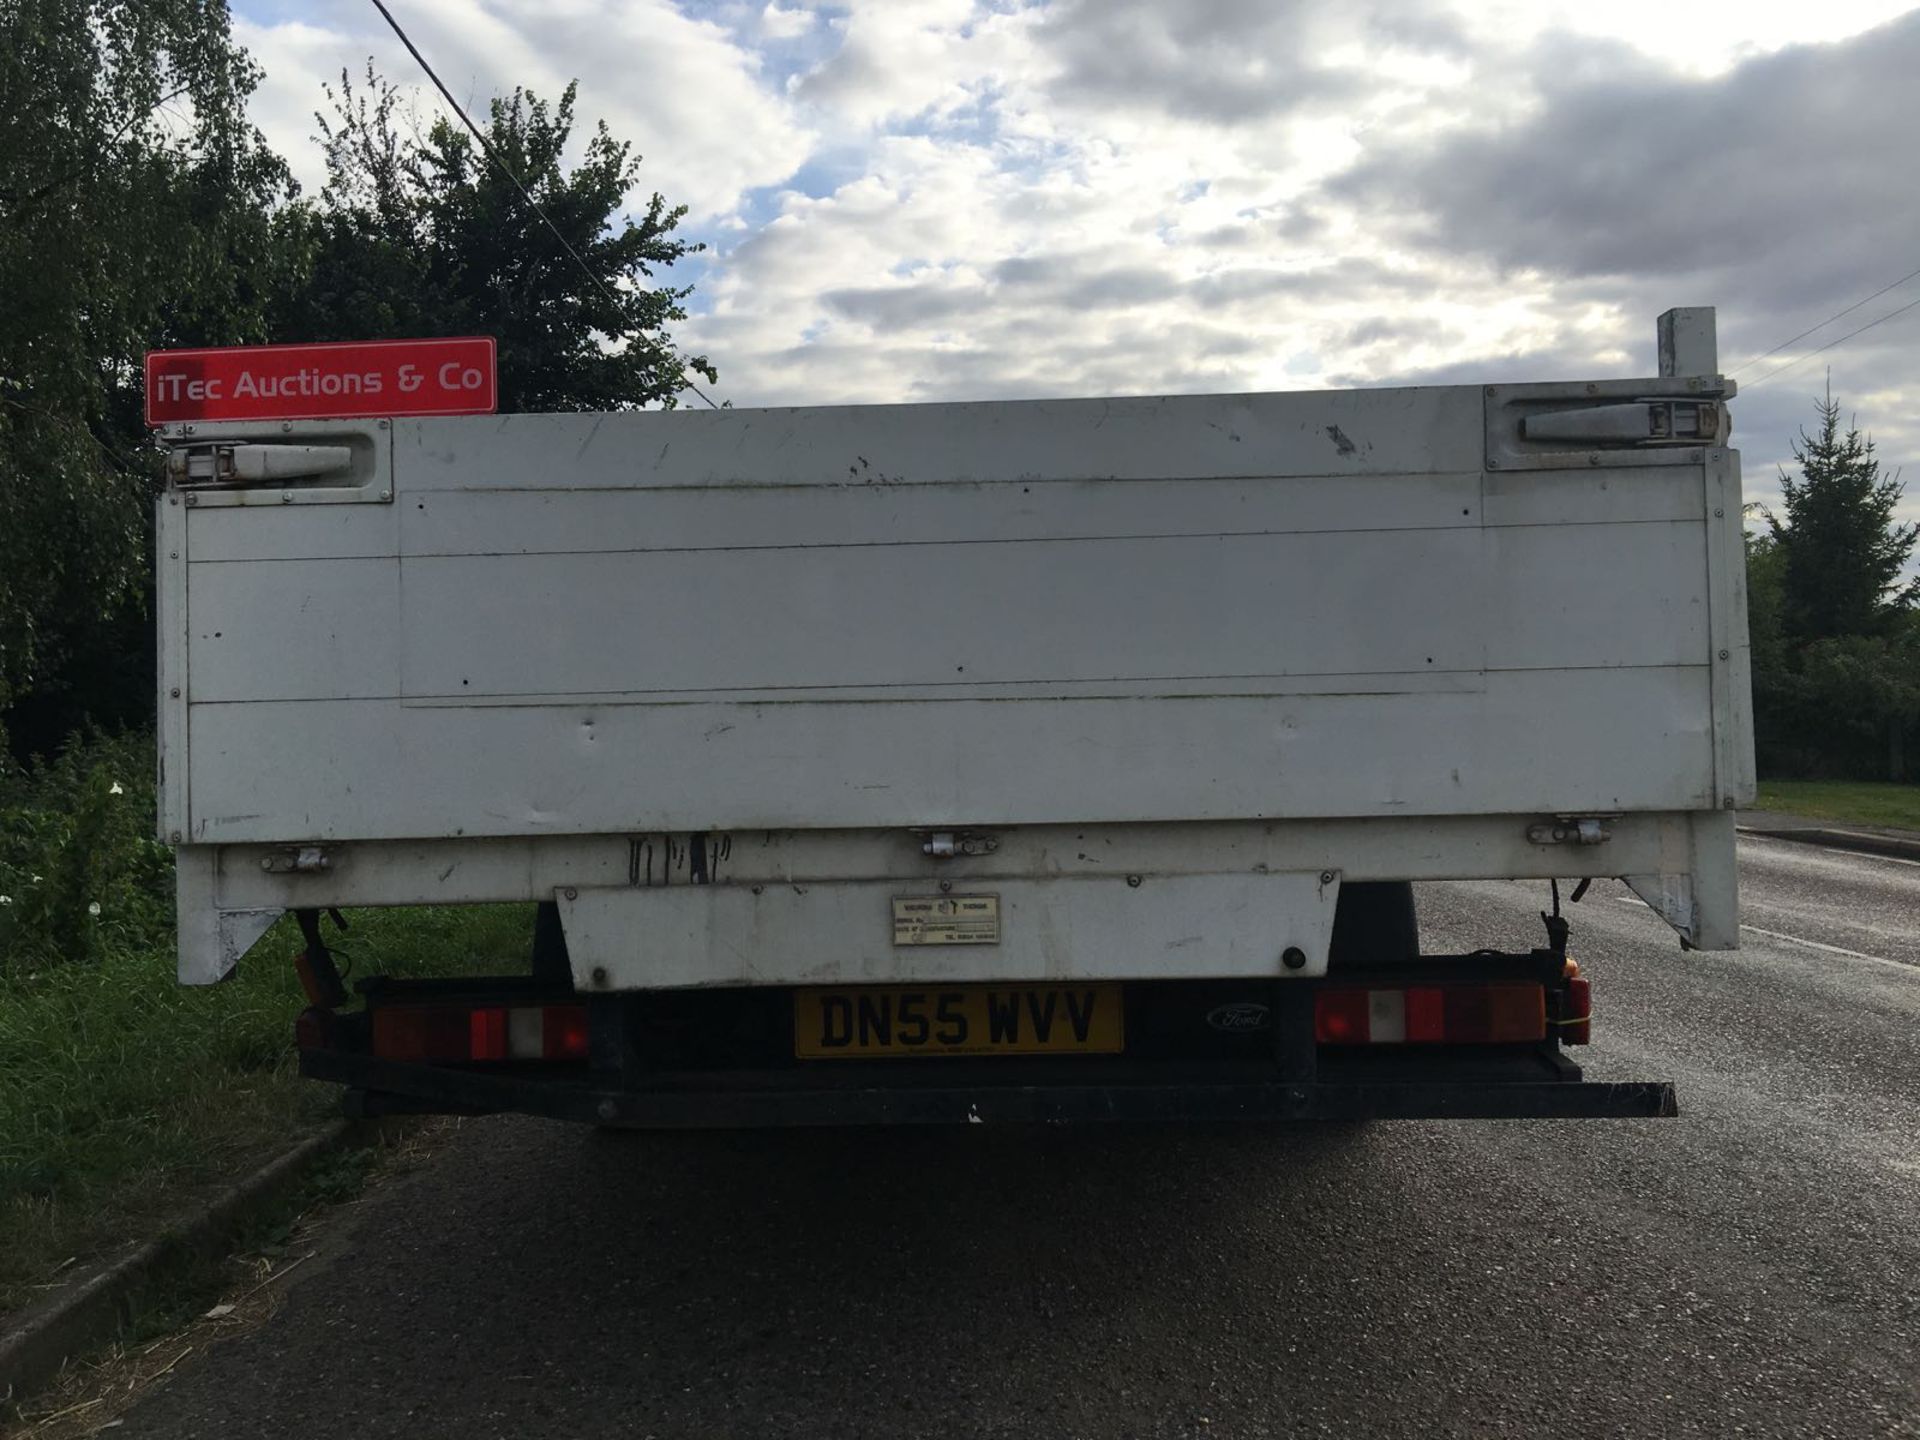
(1752, 1268)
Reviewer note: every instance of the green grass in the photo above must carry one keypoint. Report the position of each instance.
(1857, 802)
(123, 1094)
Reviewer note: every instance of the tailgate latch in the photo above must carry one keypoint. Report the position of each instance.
(945, 844)
(1639, 423)
(1572, 830)
(248, 464)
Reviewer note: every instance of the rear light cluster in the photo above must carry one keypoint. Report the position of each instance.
(480, 1032)
(1432, 1015)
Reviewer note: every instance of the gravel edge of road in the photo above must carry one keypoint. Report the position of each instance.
(37, 1341)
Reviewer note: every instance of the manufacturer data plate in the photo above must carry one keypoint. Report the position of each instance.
(946, 919)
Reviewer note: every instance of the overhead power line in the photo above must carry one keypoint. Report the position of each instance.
(1837, 315)
(1782, 369)
(507, 170)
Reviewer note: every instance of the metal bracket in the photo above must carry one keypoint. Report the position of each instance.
(248, 464)
(257, 463)
(1660, 420)
(1573, 830)
(945, 844)
(1639, 423)
(298, 860)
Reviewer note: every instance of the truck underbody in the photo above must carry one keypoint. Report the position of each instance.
(1346, 1047)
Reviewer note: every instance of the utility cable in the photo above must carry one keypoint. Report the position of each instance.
(1838, 315)
(1780, 370)
(506, 170)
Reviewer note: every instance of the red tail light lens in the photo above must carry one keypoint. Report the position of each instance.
(1576, 1012)
(564, 1034)
(1431, 1015)
(1340, 1017)
(457, 1033)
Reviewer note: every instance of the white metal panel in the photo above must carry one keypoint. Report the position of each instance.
(1532, 741)
(779, 516)
(956, 617)
(1607, 495)
(297, 532)
(1596, 595)
(294, 630)
(1324, 432)
(1058, 927)
(170, 563)
(521, 868)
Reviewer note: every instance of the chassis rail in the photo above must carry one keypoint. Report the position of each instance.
(379, 1086)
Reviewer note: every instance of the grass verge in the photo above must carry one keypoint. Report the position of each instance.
(175, 1319)
(123, 1095)
(1855, 802)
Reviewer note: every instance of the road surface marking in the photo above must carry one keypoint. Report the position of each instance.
(1796, 940)
(1830, 949)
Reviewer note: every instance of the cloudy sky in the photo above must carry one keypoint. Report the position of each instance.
(945, 199)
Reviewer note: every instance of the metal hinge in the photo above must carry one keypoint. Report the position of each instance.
(945, 844)
(244, 464)
(1663, 420)
(298, 860)
(1637, 423)
(1572, 830)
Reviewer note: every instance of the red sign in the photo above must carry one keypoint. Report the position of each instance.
(323, 382)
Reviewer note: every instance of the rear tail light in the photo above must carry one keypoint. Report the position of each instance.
(1576, 1012)
(480, 1032)
(1431, 1015)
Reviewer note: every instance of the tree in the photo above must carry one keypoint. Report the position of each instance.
(136, 211)
(1842, 552)
(423, 235)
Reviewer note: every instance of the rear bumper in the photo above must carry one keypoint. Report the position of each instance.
(785, 1099)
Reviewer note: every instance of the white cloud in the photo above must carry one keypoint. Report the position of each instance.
(1008, 197)
(689, 95)
(782, 24)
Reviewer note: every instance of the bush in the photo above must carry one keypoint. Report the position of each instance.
(81, 875)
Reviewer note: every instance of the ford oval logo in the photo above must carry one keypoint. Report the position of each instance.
(1238, 1017)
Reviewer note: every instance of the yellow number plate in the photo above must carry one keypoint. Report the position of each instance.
(882, 1022)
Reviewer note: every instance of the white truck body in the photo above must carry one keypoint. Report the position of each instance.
(1155, 674)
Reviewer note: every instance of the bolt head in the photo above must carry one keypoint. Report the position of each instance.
(1134, 881)
(1723, 654)
(175, 692)
(1293, 957)
(599, 974)
(193, 499)
(1326, 877)
(573, 894)
(173, 837)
